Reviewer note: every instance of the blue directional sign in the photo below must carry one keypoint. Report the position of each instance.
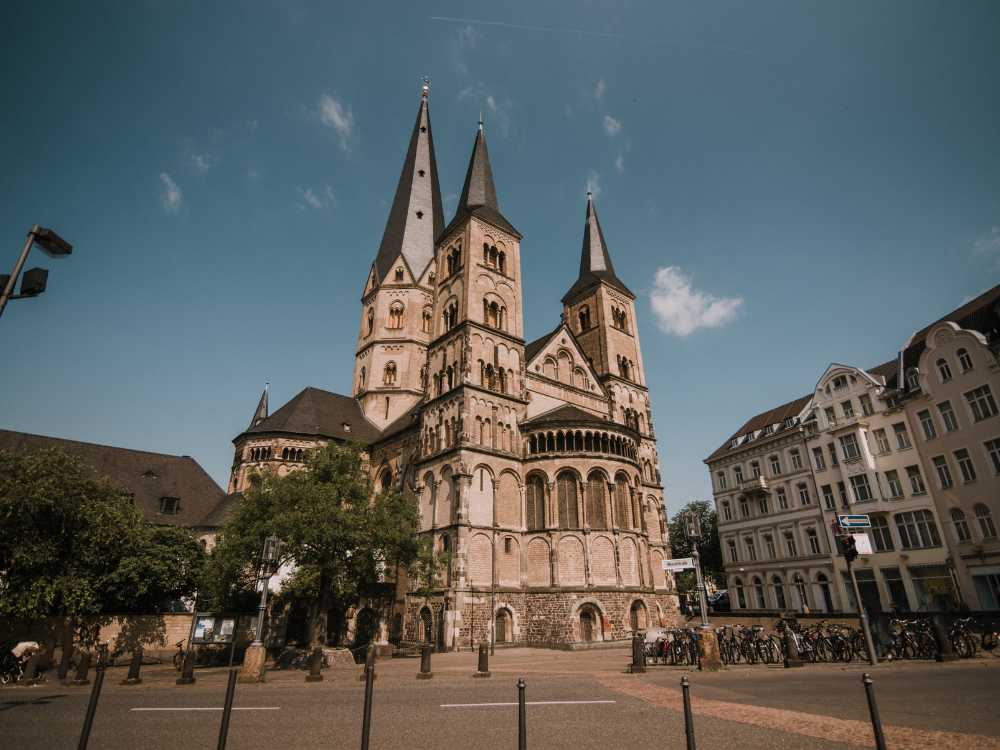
(859, 521)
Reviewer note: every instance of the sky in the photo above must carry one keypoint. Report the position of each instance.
(782, 184)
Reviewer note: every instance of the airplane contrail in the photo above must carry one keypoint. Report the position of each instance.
(553, 29)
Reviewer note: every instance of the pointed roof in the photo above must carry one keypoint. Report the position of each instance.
(479, 194)
(416, 217)
(260, 414)
(595, 261)
(317, 412)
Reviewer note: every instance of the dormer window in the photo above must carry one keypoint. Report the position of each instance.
(913, 379)
(346, 426)
(399, 274)
(420, 214)
(169, 505)
(839, 382)
(420, 172)
(150, 474)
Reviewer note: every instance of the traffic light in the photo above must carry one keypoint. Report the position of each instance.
(847, 547)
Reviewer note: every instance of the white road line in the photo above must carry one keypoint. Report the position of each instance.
(214, 708)
(527, 703)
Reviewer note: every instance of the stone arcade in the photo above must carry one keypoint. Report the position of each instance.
(534, 464)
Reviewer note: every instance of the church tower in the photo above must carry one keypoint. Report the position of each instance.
(600, 309)
(397, 303)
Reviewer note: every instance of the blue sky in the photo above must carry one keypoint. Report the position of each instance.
(783, 184)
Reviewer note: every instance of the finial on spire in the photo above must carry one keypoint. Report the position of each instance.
(425, 87)
(590, 195)
(481, 119)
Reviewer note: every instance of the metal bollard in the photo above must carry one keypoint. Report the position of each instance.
(688, 718)
(134, 666)
(425, 672)
(483, 668)
(945, 652)
(369, 662)
(873, 710)
(792, 658)
(315, 665)
(522, 718)
(187, 669)
(227, 709)
(95, 695)
(366, 720)
(82, 669)
(638, 664)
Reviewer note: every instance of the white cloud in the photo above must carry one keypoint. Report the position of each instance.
(620, 164)
(317, 199)
(612, 126)
(599, 89)
(335, 115)
(204, 162)
(680, 309)
(468, 37)
(988, 244)
(171, 197)
(497, 110)
(593, 184)
(465, 42)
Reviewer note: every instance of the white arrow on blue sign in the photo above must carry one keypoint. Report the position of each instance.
(858, 521)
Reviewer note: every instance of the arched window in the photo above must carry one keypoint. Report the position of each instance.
(779, 592)
(502, 262)
(584, 317)
(961, 525)
(985, 518)
(491, 314)
(944, 370)
(389, 374)
(800, 588)
(597, 487)
(361, 379)
(399, 274)
(386, 482)
(758, 592)
(284, 454)
(622, 510)
(964, 360)
(741, 599)
(450, 316)
(370, 322)
(425, 324)
(535, 503)
(396, 315)
(568, 506)
(913, 379)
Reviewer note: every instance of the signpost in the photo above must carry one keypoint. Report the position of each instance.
(678, 564)
(859, 521)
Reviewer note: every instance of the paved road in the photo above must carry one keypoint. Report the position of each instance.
(583, 700)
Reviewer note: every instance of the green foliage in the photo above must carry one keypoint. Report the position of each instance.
(340, 534)
(72, 544)
(710, 547)
(429, 568)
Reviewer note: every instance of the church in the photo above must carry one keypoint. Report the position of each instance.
(534, 464)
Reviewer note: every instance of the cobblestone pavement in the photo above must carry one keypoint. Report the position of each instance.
(576, 700)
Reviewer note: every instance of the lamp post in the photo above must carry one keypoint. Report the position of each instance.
(709, 660)
(34, 280)
(256, 655)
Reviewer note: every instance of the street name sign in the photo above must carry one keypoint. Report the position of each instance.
(860, 521)
(679, 563)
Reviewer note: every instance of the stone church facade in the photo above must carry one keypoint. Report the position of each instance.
(534, 464)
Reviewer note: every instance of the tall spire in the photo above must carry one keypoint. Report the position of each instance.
(261, 412)
(595, 261)
(479, 194)
(415, 218)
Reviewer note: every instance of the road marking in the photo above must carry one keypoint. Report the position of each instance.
(527, 703)
(213, 708)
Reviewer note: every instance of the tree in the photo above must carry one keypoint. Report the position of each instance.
(340, 534)
(710, 547)
(72, 544)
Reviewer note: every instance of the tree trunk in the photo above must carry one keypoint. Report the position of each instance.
(320, 610)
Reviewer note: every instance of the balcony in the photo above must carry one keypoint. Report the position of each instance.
(754, 486)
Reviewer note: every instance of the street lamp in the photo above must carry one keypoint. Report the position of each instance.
(268, 567)
(692, 530)
(34, 280)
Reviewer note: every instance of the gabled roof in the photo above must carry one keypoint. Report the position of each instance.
(416, 217)
(981, 314)
(316, 412)
(146, 476)
(777, 415)
(570, 414)
(532, 348)
(536, 347)
(479, 194)
(406, 420)
(595, 260)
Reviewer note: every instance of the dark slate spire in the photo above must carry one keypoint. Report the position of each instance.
(416, 218)
(595, 261)
(479, 194)
(261, 413)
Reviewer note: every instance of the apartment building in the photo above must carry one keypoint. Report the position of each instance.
(914, 443)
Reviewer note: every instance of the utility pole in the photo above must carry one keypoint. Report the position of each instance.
(848, 548)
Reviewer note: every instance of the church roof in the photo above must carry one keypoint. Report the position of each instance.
(409, 418)
(595, 261)
(416, 217)
(260, 413)
(570, 414)
(316, 412)
(533, 347)
(479, 194)
(145, 475)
